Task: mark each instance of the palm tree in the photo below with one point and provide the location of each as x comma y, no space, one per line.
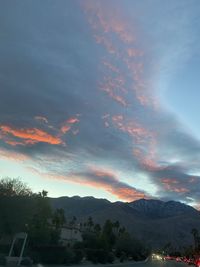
195,234
90,223
116,226
59,218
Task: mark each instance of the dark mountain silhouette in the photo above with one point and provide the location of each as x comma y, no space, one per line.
153,221
160,209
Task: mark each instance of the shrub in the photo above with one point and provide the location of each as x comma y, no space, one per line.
91,255
111,257
78,255
123,257
4,249
99,256
68,256
50,254
102,256
26,262
2,260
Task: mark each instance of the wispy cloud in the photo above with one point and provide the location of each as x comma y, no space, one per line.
82,91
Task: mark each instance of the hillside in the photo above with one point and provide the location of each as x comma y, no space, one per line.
155,222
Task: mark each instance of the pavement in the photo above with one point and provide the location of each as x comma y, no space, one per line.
149,263
154,263
170,263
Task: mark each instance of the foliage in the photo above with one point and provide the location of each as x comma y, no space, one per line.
196,238
2,260
97,255
26,262
58,218
21,210
101,242
78,255
13,187
39,228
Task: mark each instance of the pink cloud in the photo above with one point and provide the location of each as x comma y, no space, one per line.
27,136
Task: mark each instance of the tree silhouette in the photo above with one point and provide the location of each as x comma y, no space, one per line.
196,237
59,218
14,187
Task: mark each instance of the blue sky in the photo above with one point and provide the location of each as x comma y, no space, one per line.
101,97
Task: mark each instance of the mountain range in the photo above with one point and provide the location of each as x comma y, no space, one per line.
155,222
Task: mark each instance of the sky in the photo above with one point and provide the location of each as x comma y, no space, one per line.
101,98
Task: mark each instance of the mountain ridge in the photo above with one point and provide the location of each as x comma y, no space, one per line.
154,222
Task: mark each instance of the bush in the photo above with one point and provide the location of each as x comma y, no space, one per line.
69,256
78,255
4,249
51,255
26,262
2,260
35,256
99,256
102,256
91,255
123,257
111,257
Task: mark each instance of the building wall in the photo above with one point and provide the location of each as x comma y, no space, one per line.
70,235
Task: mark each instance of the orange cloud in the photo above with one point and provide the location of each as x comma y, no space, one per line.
117,34
132,128
65,128
67,125
173,185
114,87
128,194
104,179
72,120
28,136
146,150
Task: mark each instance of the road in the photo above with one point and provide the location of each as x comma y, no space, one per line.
149,263
153,263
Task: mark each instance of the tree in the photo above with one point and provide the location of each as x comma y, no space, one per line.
39,227
16,204
43,193
59,218
116,226
73,221
97,228
108,233
90,223
127,246
14,187
196,237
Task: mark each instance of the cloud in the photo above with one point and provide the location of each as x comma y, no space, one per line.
104,179
173,185
42,119
117,35
13,156
28,136
86,78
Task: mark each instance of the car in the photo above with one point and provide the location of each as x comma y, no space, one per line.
190,261
197,262
168,258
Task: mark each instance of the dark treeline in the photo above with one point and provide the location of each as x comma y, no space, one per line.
21,210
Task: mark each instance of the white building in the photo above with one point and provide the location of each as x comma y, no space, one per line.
70,234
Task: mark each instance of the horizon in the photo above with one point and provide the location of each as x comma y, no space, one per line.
76,196
99,99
